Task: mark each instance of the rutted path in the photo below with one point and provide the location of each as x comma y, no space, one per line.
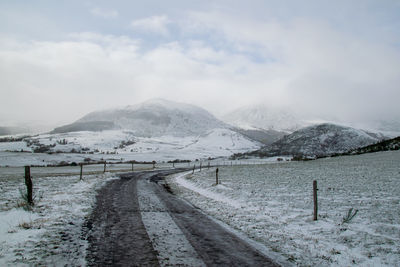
136,222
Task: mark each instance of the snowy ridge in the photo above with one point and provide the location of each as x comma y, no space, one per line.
320,140
158,117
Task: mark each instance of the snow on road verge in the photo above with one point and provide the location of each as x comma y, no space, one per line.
173,249
278,207
50,233
182,180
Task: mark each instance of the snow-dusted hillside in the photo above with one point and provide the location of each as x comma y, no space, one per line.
263,117
153,118
320,140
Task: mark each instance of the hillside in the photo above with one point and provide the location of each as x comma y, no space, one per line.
319,140
153,118
386,145
12,130
265,137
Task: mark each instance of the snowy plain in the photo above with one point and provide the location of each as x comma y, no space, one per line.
273,204
51,232
109,146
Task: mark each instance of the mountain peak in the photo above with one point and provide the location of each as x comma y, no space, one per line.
152,118
155,102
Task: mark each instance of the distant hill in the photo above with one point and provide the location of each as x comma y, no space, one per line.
265,137
318,141
93,126
386,145
12,130
156,117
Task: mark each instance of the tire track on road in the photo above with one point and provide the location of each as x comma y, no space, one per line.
136,222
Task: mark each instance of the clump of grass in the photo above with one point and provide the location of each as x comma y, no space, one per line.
24,203
26,225
350,215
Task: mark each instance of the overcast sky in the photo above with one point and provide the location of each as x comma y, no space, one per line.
62,59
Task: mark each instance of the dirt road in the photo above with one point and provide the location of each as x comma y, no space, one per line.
137,222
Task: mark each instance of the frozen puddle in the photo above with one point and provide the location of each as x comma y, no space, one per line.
168,240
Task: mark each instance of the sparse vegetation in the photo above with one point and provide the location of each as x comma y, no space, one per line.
350,215
62,142
26,225
24,202
126,143
178,161
13,139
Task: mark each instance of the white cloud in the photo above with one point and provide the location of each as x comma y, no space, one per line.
301,63
91,71
104,13
319,69
153,24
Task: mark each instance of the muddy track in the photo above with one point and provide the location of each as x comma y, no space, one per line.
137,222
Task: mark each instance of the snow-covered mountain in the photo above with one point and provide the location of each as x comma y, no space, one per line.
158,130
320,140
266,118
165,130
153,118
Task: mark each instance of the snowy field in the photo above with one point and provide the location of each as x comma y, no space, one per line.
273,204
121,145
51,233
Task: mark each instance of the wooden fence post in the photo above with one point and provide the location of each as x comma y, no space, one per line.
29,186
105,166
132,166
80,176
315,189
200,166
194,166
216,176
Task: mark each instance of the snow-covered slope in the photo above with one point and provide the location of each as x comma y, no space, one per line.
264,117
122,145
320,140
153,118
265,137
